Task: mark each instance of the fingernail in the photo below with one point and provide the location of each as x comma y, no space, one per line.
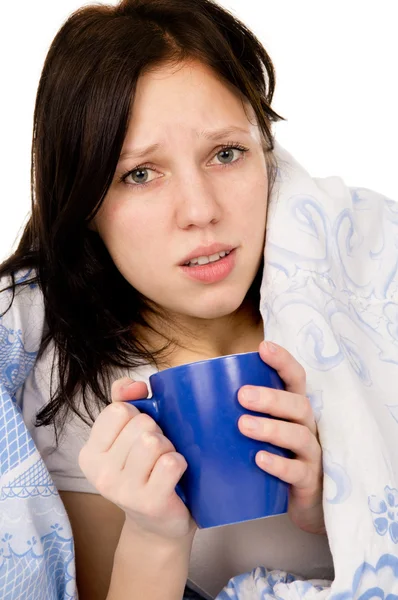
251,395
128,385
250,424
265,458
270,347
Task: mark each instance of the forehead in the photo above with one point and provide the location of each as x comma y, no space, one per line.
186,97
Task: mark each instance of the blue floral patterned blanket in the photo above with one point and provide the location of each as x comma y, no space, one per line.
330,296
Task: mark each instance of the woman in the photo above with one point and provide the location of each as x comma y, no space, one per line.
152,154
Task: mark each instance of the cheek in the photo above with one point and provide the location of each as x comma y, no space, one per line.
125,227
251,198
135,239
259,189
251,212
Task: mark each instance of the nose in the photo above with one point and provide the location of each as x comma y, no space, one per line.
197,204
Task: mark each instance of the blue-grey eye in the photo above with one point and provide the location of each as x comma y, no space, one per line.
228,155
140,179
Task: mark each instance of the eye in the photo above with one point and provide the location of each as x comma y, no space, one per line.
140,175
226,154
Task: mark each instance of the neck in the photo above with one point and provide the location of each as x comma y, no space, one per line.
200,339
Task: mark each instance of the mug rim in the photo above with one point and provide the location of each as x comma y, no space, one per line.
205,360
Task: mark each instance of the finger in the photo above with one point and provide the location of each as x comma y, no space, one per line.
109,424
287,367
290,470
291,436
143,455
166,473
130,440
278,403
127,389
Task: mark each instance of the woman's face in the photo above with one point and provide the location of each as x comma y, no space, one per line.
187,193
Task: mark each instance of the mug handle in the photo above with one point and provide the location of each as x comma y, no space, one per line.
150,407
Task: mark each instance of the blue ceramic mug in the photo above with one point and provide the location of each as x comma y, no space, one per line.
196,407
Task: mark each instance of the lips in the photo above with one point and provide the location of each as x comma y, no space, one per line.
212,272
206,251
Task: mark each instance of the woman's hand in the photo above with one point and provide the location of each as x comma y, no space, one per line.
304,472
131,463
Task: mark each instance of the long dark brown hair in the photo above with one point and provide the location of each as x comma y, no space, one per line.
81,116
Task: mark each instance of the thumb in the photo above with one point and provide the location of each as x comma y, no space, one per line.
128,389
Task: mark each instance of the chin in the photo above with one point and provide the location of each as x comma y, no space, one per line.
214,309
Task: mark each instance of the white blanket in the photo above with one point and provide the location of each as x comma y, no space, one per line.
330,296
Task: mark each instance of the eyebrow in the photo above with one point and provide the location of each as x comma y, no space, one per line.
207,134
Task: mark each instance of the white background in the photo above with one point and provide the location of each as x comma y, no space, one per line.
336,65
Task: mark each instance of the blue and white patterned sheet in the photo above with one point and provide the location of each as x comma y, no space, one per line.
330,296
36,544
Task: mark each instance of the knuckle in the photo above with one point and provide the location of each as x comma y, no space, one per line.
171,461
121,412
182,461
305,437
272,427
118,410
272,398
152,440
145,423
306,408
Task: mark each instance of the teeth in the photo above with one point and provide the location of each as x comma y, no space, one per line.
204,260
